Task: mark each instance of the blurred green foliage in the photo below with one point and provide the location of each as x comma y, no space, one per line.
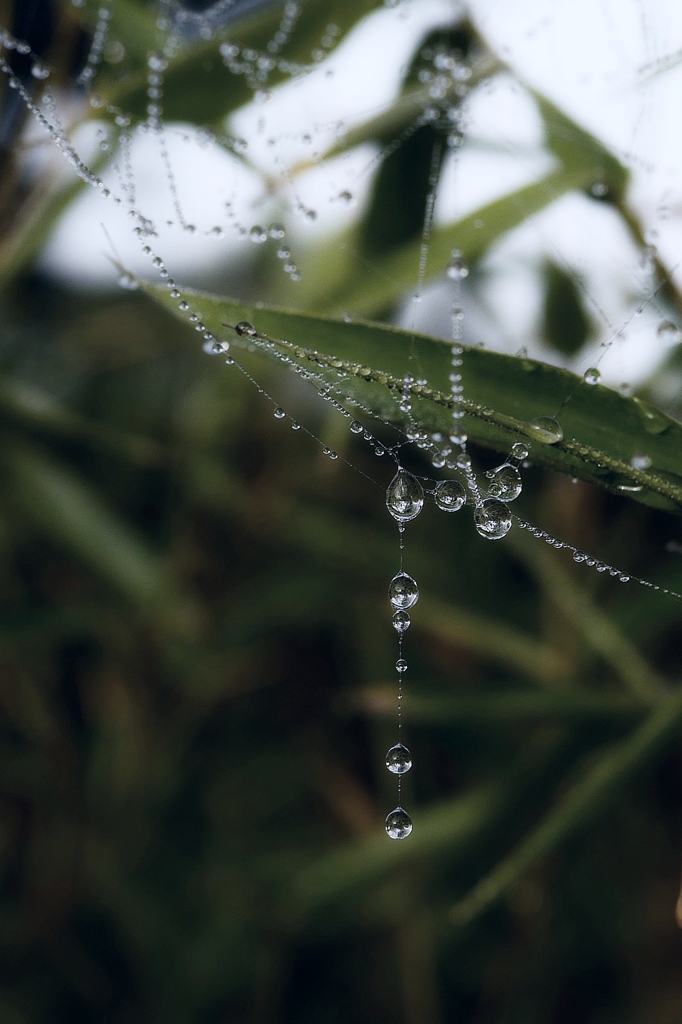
195,695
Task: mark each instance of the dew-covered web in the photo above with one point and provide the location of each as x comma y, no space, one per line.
292,171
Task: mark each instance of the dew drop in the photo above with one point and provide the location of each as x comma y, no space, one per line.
398,824
404,496
279,413
450,496
457,268
669,333
505,482
492,519
346,198
640,460
244,327
258,234
403,591
127,281
654,422
401,621
276,231
592,376
399,759
184,306
520,450
401,665
356,427
458,436
546,429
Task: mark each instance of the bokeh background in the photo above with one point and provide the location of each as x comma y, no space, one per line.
196,686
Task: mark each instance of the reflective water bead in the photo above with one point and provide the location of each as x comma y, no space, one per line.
276,231
401,621
258,234
505,482
640,460
464,461
492,519
450,496
459,437
184,306
399,759
457,269
520,450
592,376
546,429
403,591
244,327
438,460
669,333
398,824
356,427
279,413
404,496
295,425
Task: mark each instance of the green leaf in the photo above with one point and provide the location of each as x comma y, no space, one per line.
602,429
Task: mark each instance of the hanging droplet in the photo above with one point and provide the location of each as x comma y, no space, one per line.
245,328
546,429
401,665
356,427
258,234
404,496
128,282
654,421
399,759
505,482
276,231
450,496
279,413
457,269
520,450
669,333
403,591
398,824
401,621
458,436
492,519
640,460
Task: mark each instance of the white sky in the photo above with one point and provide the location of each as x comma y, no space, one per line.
588,57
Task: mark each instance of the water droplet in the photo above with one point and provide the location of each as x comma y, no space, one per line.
128,281
520,450
398,824
464,461
404,496
655,422
592,376
216,348
184,306
244,327
258,234
546,429
458,436
399,759
279,413
450,496
599,189
356,427
403,591
276,231
492,519
669,333
40,71
346,198
457,269
640,460
295,425
401,621
401,665
505,482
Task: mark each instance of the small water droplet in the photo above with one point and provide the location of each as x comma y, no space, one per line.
404,496
128,281
401,665
669,333
599,189
245,328
403,591
505,482
457,268
592,376
279,413
399,759
184,306
346,198
450,496
295,425
520,450
655,422
492,519
356,427
258,234
398,824
401,621
458,436
640,460
276,231
546,429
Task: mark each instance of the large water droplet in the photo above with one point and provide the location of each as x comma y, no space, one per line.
546,429
450,496
520,450
356,427
403,591
398,824
245,328
505,482
404,496
669,333
655,422
492,519
640,460
258,234
592,376
399,759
